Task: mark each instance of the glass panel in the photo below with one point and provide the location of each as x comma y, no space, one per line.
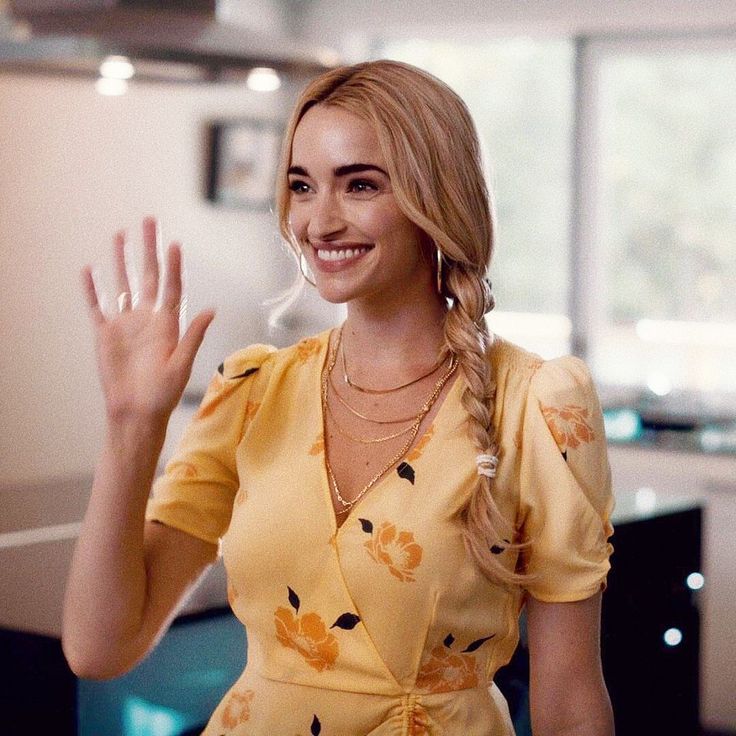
667,224
519,92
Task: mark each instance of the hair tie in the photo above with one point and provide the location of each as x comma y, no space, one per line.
486,465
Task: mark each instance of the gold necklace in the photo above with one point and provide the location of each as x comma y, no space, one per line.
364,390
370,441
347,505
362,416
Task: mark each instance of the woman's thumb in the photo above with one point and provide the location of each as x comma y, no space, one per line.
189,344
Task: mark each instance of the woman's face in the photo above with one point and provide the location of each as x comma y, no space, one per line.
343,212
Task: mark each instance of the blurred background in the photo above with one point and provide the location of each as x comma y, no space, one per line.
610,135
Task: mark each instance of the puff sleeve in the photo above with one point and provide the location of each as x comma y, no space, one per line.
565,485
196,491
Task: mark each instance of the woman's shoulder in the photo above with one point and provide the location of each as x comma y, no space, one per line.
253,357
518,371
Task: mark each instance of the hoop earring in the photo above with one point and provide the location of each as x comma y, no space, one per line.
303,269
439,270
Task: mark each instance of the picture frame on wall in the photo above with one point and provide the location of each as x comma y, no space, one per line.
243,157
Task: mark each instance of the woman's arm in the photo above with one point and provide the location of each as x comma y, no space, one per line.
126,576
568,695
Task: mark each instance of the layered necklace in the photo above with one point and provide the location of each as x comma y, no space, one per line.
411,430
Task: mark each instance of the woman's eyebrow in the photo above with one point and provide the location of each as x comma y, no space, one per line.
358,168
340,170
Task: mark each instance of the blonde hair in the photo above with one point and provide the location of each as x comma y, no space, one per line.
434,161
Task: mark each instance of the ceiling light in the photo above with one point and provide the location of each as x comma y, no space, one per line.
263,79
117,67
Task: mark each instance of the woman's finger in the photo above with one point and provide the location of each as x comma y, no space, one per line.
150,261
90,292
124,296
171,298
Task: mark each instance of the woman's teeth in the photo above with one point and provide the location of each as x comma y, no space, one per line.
340,255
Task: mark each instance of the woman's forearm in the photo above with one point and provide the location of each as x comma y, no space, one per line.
577,714
106,589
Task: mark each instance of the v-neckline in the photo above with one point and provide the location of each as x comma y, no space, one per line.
325,479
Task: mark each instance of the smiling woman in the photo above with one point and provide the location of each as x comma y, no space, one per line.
388,494
345,217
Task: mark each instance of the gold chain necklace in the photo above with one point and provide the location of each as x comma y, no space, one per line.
347,505
364,390
372,440
362,416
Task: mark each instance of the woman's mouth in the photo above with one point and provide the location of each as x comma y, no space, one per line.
335,258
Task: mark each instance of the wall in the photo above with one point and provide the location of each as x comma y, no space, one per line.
76,166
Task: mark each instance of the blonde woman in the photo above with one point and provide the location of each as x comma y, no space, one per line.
389,494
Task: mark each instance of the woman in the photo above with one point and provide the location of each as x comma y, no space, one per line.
388,494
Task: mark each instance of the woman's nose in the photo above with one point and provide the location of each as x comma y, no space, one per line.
325,218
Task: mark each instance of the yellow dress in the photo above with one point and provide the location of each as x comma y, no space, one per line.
384,626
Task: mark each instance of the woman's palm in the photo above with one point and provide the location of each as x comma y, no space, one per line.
143,365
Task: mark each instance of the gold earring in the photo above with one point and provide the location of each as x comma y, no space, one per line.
303,266
439,270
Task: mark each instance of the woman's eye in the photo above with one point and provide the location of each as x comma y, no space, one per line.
298,187
362,185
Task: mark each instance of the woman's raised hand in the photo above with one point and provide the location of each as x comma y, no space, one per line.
143,365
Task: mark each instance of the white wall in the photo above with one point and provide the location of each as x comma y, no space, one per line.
74,167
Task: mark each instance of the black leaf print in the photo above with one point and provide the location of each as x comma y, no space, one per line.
366,525
449,640
293,599
346,621
245,373
478,642
316,726
406,471
564,454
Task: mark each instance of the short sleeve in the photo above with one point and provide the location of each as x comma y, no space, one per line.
565,485
196,491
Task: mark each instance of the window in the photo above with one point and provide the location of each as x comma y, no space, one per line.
620,159
666,224
519,92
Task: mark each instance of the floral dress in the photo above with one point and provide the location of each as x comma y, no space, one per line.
384,625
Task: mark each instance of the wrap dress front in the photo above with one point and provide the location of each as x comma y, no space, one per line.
385,625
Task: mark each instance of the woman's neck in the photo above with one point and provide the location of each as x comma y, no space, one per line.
376,337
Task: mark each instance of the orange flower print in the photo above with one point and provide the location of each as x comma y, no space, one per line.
444,670
237,710
397,550
568,425
307,348
319,445
419,449
308,635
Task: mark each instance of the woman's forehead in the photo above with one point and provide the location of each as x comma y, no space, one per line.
336,136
